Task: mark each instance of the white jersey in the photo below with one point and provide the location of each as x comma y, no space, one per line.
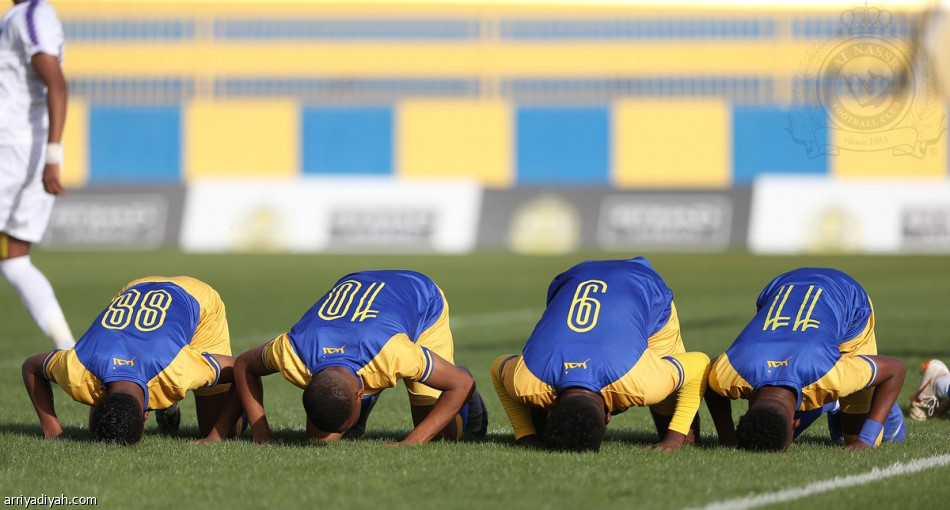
28,28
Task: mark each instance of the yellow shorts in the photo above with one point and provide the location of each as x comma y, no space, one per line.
666,342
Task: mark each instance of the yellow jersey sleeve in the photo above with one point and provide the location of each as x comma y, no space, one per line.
190,370
398,359
279,355
668,340
438,337
519,413
519,390
847,377
724,380
863,343
64,368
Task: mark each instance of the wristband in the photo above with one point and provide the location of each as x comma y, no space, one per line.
870,432
54,153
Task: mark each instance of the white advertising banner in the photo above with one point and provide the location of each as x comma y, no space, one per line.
326,214
823,215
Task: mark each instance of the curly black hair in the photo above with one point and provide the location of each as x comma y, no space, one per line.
118,418
764,428
327,402
576,424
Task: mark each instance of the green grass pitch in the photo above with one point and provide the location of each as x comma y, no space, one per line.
495,300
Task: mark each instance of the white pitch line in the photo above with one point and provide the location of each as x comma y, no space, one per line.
494,318
838,482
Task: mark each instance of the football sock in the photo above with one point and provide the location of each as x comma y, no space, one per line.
894,429
942,386
38,297
463,413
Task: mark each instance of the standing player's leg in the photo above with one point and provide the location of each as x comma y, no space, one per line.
34,290
25,209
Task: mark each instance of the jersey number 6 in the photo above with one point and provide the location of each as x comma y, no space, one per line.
582,317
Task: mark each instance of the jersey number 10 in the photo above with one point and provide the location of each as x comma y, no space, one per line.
338,302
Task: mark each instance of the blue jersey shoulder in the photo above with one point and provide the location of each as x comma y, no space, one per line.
352,322
140,333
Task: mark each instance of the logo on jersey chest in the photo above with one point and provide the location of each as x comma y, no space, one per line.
119,362
568,366
777,364
333,350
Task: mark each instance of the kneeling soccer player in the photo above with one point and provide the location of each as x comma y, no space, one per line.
370,330
608,340
159,338
810,343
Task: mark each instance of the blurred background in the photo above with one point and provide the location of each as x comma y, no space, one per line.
532,126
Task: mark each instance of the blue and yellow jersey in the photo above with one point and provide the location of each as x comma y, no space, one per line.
381,325
811,332
159,333
595,328
595,334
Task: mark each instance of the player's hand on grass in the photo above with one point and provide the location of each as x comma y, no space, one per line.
403,443
532,441
264,439
672,442
858,445
212,437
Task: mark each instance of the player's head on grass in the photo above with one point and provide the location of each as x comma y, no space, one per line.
332,399
577,422
768,424
119,417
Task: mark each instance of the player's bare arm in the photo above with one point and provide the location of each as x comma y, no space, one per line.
41,395
248,370
218,413
456,385
47,68
720,408
887,386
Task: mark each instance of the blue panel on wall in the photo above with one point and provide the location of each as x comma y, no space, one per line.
773,140
563,146
134,145
348,141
